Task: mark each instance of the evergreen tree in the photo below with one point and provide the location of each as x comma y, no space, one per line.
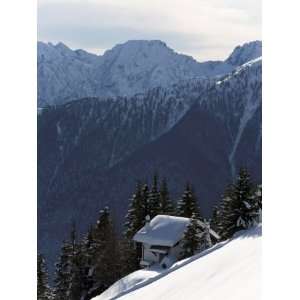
63,274
215,218
77,268
166,204
258,196
258,203
106,260
43,289
254,208
79,275
135,218
154,198
236,208
70,270
129,258
145,202
205,238
191,239
88,250
187,205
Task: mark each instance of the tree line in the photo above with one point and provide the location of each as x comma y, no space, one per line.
87,266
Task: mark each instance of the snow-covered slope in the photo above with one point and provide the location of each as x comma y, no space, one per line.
132,281
139,65
229,270
129,68
245,80
245,53
63,74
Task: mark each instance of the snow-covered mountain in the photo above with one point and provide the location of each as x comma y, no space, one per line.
245,53
229,270
63,74
247,80
137,66
133,67
91,151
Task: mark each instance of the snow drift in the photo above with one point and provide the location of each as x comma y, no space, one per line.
229,270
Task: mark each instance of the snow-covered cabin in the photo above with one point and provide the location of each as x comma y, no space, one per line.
162,239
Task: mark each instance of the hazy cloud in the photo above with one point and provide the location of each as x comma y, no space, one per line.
205,29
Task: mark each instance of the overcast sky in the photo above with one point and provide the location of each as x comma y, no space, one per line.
205,29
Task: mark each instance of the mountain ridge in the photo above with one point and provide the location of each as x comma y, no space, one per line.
127,69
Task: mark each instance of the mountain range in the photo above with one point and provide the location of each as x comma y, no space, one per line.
106,121
127,69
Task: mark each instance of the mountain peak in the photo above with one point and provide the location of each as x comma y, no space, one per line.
54,50
62,46
63,49
132,47
244,53
144,43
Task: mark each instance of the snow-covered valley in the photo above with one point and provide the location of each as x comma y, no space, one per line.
228,270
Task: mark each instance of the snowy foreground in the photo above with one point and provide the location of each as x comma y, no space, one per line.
230,270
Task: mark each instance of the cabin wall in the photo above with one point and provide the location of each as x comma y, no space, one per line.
176,251
150,256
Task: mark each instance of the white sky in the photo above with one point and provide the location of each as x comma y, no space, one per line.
205,29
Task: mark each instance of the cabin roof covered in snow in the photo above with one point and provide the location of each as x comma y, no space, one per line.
162,230
165,230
